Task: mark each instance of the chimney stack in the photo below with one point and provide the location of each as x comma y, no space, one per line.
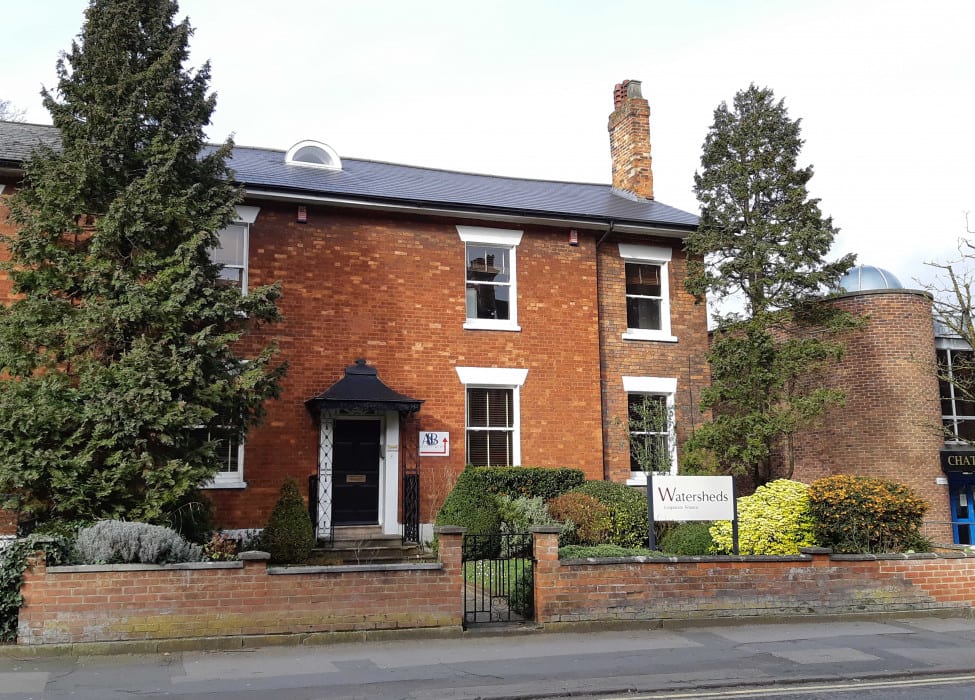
629,140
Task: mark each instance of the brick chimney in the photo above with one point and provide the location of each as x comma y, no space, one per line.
629,140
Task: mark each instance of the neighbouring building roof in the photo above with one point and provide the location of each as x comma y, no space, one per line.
263,169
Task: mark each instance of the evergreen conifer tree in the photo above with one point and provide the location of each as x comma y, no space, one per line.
764,242
121,371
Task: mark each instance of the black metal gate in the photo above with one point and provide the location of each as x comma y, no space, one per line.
499,579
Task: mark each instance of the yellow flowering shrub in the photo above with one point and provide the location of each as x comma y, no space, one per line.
774,520
858,514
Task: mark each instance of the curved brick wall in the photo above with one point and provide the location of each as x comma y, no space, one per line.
889,427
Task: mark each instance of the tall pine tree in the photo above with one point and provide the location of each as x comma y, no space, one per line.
119,358
763,242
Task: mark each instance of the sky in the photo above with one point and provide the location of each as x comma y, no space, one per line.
524,88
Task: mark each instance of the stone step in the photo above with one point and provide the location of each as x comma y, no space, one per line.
371,550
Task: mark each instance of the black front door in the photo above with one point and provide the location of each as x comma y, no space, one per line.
355,472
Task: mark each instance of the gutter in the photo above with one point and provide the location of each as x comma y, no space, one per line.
678,231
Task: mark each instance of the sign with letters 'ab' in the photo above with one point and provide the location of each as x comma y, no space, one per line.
434,444
693,498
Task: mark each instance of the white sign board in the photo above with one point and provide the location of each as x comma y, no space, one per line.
434,444
693,498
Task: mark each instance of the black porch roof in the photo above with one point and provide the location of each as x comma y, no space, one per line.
361,389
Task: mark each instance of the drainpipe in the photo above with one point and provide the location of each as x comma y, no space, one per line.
604,416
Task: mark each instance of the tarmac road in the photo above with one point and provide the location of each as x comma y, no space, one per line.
530,664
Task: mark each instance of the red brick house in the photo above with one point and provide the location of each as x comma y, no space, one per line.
434,319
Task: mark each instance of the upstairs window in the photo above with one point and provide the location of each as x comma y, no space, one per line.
647,288
489,282
490,278
956,378
232,249
313,154
231,253
644,296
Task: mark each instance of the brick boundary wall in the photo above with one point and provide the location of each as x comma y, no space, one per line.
816,583
72,604
83,604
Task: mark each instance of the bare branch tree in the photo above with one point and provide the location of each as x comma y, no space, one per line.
10,112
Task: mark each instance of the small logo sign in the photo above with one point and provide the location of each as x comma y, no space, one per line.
434,444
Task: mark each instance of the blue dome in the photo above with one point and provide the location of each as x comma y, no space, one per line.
863,278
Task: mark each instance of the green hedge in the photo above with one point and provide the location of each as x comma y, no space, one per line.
688,540
530,482
630,526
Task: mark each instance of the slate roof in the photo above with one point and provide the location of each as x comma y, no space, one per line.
389,183
17,140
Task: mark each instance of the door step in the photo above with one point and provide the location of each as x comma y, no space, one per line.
367,545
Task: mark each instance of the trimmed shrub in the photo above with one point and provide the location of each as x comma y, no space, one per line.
774,520
469,506
603,551
688,540
858,514
530,482
121,542
586,518
288,536
629,524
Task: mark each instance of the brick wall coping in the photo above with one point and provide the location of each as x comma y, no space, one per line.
718,559
683,560
347,568
99,568
875,292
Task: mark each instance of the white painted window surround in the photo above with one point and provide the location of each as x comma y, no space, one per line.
659,386
498,378
657,255
498,238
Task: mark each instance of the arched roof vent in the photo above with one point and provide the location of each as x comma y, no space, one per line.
313,154
864,278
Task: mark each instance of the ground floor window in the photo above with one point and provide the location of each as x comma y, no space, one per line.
490,427
229,452
650,425
492,415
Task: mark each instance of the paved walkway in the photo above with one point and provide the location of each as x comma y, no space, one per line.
525,665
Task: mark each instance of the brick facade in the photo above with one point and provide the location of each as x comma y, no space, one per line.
391,290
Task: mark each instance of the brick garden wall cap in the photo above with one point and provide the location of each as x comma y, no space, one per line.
546,529
888,556
449,530
815,550
254,555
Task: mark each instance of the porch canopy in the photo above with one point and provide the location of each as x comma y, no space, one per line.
362,390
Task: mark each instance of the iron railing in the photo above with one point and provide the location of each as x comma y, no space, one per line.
499,583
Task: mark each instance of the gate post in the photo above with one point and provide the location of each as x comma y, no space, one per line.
450,548
545,539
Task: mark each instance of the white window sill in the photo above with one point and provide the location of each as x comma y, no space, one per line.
640,334
486,324
225,485
640,478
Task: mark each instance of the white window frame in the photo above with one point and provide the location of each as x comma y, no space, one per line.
227,479
246,216
497,378
656,386
652,255
498,238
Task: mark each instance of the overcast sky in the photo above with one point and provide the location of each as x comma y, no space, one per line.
524,88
